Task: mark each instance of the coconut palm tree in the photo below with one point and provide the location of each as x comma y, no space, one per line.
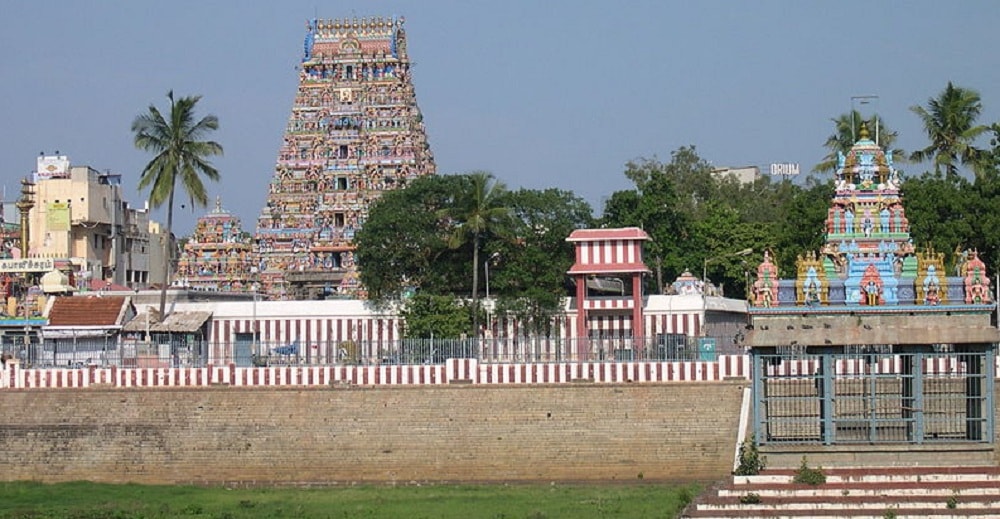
476,211
847,131
180,153
950,122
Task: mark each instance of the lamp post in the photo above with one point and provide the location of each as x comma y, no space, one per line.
486,267
704,269
864,100
253,344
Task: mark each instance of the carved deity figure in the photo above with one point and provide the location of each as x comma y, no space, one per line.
765,288
977,285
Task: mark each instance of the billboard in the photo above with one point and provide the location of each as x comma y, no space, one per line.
57,216
52,166
785,168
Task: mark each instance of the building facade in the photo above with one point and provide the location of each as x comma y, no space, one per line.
355,131
80,214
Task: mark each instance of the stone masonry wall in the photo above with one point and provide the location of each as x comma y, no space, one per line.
335,435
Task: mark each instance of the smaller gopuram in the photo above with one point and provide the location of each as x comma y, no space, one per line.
872,342
219,254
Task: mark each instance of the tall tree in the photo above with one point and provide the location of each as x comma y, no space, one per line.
847,131
473,214
950,122
528,272
401,246
179,153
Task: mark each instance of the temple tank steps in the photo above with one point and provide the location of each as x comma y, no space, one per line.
877,493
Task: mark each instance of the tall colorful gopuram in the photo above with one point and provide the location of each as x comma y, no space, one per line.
219,254
355,131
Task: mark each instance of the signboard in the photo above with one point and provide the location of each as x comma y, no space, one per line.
52,166
785,168
706,349
57,216
27,265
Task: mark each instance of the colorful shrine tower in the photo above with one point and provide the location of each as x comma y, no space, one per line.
871,343
219,255
869,259
355,131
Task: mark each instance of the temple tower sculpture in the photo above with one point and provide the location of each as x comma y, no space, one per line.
355,131
219,255
872,343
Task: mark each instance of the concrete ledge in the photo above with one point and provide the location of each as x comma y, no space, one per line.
886,455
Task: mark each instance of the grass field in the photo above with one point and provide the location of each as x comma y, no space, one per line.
98,501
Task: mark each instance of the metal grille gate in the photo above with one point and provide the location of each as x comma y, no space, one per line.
873,396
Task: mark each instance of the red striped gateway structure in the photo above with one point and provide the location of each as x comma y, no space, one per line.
608,273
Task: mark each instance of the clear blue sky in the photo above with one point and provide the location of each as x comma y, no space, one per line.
543,94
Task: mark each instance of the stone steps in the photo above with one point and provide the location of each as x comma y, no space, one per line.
858,493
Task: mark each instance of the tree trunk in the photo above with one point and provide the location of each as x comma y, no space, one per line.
475,287
166,256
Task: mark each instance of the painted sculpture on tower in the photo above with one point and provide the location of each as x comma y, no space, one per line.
869,258
219,254
355,131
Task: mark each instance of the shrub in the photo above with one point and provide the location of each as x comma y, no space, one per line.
952,502
809,476
750,498
750,460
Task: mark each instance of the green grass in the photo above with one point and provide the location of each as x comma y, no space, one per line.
23,500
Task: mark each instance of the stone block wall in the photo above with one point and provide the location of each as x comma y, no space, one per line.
337,435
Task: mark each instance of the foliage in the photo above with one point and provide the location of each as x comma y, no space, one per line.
97,501
404,247
471,215
180,153
528,272
941,211
806,475
427,316
950,122
952,502
847,131
751,462
750,498
403,244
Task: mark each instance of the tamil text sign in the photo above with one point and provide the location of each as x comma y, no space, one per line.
27,265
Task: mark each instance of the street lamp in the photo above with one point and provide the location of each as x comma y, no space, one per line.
486,266
704,270
253,347
864,100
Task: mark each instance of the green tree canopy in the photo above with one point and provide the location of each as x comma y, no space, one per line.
528,272
847,131
950,122
471,215
403,244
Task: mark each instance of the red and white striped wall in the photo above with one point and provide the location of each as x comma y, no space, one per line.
467,371
612,324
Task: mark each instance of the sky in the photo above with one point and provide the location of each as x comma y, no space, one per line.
555,94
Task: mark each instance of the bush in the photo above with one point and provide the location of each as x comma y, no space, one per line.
750,498
751,462
809,476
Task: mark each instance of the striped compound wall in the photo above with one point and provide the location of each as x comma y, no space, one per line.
454,371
